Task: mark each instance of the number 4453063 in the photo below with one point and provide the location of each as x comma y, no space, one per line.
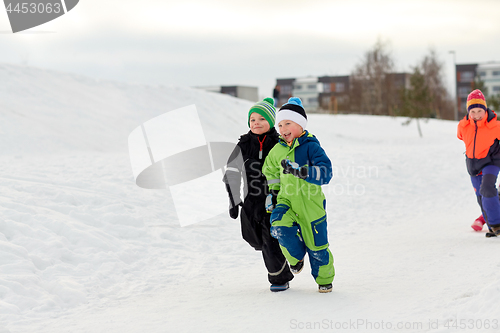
33,8
472,324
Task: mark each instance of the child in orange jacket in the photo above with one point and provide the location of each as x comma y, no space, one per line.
480,131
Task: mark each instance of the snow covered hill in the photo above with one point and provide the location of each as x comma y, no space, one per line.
83,249
49,112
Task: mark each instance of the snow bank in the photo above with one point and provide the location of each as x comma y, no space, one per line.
73,224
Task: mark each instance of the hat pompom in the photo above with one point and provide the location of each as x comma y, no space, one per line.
269,100
295,100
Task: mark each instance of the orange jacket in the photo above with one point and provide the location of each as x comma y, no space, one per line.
481,141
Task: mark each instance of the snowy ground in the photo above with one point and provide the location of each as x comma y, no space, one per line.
83,249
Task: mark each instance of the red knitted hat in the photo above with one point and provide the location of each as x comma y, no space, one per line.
476,100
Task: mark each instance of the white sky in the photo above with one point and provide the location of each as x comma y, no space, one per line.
223,42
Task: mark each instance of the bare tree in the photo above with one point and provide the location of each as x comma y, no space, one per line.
432,70
371,82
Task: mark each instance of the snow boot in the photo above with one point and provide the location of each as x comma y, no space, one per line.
478,223
325,288
297,268
280,287
494,231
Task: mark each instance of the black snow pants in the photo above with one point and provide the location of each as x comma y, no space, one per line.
255,227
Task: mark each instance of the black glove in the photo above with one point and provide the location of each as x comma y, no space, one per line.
233,211
233,207
294,169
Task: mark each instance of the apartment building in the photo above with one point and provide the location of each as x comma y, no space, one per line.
335,93
466,73
326,93
329,93
308,90
286,90
489,73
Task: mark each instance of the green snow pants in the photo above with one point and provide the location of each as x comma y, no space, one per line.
298,236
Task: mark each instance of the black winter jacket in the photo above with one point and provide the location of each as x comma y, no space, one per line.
246,161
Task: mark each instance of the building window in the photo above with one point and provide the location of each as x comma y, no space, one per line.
482,74
340,87
312,100
298,87
463,91
496,89
326,87
496,73
466,76
311,87
286,89
326,100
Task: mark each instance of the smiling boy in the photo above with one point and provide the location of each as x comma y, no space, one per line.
295,170
480,131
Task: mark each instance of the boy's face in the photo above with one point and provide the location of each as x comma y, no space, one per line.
258,124
477,113
289,130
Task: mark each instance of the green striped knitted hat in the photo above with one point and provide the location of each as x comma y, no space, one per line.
266,109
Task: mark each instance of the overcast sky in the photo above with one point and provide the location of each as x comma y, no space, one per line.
231,42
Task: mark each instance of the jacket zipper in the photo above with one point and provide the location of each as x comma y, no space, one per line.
261,143
474,147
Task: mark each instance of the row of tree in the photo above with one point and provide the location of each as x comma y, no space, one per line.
376,89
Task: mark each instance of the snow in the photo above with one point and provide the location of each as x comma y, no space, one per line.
83,249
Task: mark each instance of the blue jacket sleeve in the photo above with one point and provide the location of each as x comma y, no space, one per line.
320,169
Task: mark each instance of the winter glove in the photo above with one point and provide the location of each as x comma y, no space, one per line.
233,207
271,201
233,211
293,168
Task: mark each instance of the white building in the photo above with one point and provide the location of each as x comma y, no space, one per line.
308,89
490,75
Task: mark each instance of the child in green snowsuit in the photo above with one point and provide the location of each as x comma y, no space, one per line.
295,170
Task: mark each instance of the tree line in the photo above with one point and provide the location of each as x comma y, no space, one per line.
376,88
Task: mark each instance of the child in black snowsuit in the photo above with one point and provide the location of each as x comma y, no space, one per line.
246,161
